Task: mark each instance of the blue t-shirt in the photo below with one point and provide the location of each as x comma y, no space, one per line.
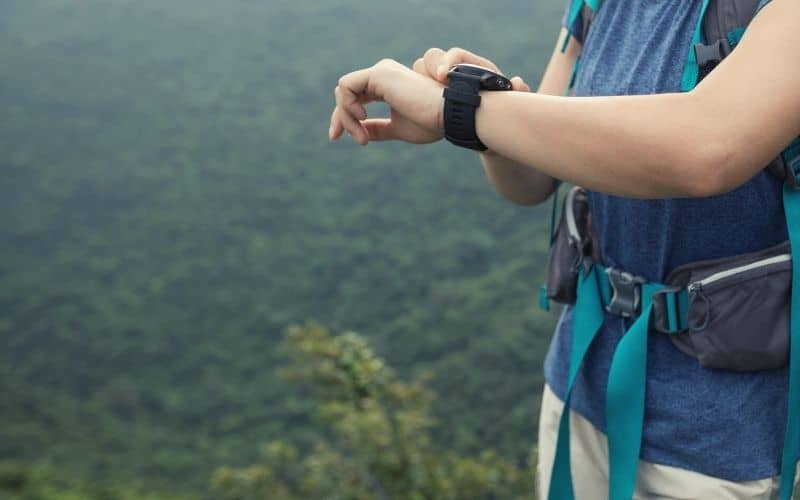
724,424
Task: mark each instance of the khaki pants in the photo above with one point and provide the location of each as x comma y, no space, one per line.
589,455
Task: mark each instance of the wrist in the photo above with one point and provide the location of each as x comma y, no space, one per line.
463,99
485,127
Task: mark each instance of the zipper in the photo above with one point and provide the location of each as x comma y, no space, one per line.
698,285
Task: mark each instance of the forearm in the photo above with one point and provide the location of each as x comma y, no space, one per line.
700,143
636,146
515,181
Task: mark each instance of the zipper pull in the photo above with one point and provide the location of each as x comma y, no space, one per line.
696,291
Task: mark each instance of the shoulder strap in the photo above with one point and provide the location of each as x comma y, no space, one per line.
723,25
579,19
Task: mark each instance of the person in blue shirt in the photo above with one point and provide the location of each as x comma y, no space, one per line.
672,177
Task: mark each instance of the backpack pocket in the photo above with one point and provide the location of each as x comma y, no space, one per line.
738,310
571,246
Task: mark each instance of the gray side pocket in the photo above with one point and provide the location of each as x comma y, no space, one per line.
571,245
738,310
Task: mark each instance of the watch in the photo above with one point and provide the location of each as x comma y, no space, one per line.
462,98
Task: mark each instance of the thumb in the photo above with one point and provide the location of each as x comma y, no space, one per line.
518,84
379,129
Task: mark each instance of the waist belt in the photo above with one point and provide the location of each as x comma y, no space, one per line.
600,290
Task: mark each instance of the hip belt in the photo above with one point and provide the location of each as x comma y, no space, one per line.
731,313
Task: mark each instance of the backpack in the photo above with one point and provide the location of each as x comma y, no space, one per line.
721,26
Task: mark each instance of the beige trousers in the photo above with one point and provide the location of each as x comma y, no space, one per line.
589,455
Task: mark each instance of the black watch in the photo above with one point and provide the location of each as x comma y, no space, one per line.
462,97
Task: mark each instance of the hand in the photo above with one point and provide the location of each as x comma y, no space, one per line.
415,102
436,63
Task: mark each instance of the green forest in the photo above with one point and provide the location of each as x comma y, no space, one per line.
201,297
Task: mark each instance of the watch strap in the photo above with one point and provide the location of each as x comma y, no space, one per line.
460,102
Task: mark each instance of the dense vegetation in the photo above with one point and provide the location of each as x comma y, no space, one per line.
380,446
171,204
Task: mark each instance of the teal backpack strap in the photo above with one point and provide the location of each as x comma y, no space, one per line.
585,10
576,9
625,391
587,318
721,27
625,401
691,70
572,18
791,207
544,300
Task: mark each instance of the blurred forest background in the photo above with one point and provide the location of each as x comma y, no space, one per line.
171,206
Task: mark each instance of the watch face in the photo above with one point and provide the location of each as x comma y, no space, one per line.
489,80
472,69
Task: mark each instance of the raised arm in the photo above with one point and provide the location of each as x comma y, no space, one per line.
701,143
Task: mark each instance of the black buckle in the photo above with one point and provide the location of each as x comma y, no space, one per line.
626,296
712,53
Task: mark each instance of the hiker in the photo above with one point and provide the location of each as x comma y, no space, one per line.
676,257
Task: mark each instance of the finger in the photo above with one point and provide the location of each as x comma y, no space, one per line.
348,122
419,67
358,111
336,128
353,85
433,59
379,129
457,55
518,84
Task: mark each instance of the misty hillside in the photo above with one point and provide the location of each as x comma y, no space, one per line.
171,204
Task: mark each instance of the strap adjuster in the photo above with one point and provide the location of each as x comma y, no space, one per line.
671,309
626,293
712,53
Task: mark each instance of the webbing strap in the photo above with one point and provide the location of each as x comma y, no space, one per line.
735,35
625,391
575,68
791,442
625,398
574,12
691,71
544,301
587,318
